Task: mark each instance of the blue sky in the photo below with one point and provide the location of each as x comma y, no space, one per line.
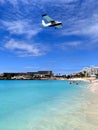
25,45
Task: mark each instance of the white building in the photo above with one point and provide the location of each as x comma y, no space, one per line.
92,71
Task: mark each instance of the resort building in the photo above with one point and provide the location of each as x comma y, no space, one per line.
92,71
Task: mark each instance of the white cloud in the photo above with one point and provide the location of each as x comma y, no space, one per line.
79,20
31,1
24,49
13,2
86,27
2,1
21,27
74,44
64,1
69,45
1,48
31,67
85,16
79,45
92,32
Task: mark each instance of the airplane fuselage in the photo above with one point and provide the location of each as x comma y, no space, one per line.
51,23
55,24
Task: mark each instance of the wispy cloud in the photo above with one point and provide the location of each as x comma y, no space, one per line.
30,1
82,21
31,67
1,48
83,27
70,45
79,18
21,27
78,45
13,2
2,1
24,49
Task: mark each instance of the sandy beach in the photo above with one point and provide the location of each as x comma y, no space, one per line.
94,86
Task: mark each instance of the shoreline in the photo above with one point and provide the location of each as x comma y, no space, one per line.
93,83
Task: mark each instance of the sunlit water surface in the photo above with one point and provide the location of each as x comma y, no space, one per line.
47,105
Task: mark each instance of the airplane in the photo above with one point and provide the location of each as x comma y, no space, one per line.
51,22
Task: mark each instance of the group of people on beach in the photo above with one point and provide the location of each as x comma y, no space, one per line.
76,82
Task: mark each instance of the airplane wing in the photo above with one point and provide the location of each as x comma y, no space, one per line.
45,16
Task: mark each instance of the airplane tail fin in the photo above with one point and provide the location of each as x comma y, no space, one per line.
44,24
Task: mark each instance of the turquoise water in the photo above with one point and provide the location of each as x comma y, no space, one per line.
44,105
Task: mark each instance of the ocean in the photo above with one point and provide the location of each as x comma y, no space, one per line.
47,105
